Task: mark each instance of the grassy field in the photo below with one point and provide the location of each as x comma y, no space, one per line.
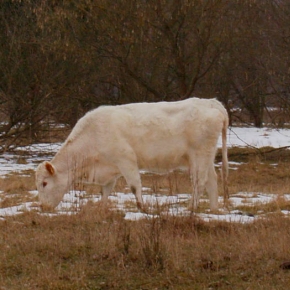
98,249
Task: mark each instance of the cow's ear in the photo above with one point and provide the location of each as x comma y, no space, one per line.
49,167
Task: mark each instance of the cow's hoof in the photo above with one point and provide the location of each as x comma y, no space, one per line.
191,207
285,265
142,208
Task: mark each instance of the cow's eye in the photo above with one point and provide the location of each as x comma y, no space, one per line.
44,184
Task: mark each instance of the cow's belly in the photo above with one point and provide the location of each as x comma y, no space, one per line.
102,174
162,159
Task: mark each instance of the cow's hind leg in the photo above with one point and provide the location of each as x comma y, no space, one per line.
198,175
211,188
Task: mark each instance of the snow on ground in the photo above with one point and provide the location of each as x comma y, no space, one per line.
257,137
27,158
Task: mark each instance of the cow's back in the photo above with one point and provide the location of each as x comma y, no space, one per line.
160,134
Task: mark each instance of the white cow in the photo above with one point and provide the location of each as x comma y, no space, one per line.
111,141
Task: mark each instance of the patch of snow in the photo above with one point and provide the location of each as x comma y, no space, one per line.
251,198
257,137
14,210
135,216
232,218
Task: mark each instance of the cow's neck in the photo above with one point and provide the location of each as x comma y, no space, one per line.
71,161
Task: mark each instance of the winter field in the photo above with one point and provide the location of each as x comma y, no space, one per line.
160,200
83,245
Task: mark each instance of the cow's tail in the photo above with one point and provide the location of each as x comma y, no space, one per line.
225,160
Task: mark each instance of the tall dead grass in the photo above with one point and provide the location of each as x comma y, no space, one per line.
16,189
98,249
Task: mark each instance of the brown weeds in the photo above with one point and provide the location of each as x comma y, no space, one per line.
97,249
15,190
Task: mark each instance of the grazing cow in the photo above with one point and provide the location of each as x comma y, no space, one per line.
111,141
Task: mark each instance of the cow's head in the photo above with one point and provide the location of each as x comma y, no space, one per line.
50,184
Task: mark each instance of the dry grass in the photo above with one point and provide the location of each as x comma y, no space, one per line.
98,249
16,189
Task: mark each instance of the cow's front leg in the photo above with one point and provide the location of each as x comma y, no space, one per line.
131,173
212,189
198,179
136,190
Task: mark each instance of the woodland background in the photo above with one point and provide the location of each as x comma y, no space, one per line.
59,59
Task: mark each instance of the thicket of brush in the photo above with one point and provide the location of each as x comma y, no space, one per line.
98,249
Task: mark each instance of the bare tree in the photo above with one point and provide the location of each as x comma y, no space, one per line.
60,59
